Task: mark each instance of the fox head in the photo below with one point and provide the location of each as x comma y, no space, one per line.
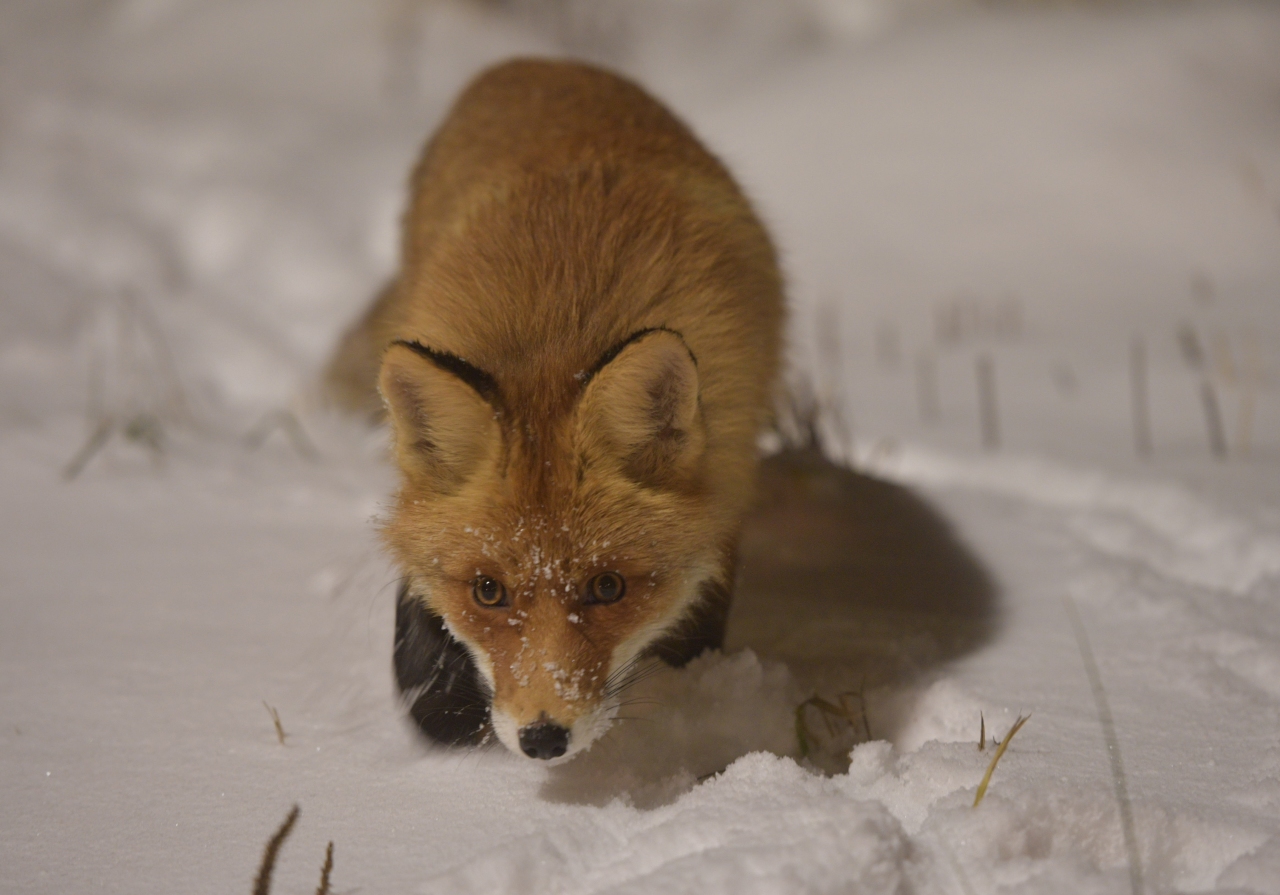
559,540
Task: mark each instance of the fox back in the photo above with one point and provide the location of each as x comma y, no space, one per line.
576,357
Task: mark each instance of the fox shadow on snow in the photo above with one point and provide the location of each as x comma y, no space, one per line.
854,584
846,573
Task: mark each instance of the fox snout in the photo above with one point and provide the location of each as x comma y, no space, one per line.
550,695
549,736
544,739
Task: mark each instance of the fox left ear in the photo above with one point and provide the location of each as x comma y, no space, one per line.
641,409
444,429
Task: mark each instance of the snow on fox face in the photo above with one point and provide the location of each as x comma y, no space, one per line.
555,549
553,615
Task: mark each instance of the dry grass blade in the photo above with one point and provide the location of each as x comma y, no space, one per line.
982,732
862,707
325,871
802,726
802,729
1194,355
1251,377
97,441
275,719
829,710
1139,397
262,882
1213,420
995,759
1108,724
988,405
1189,345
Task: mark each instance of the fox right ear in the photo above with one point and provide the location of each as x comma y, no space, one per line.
443,427
642,409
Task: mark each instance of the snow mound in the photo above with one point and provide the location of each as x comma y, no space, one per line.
763,825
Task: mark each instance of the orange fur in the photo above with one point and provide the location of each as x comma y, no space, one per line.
617,308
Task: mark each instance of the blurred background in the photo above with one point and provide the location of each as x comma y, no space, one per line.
1046,227
1043,227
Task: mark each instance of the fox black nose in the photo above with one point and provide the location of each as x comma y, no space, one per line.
544,739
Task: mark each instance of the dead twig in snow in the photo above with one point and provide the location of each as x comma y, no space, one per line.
262,882
275,719
325,871
97,441
862,704
828,710
1140,401
927,388
1193,354
1213,419
142,428
1251,375
988,407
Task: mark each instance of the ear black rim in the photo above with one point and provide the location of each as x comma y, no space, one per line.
609,356
489,592
481,381
605,588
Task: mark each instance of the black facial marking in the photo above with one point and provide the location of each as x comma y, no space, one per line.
437,677
701,630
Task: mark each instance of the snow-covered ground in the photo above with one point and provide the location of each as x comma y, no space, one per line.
196,196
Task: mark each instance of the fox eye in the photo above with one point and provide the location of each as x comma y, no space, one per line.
606,588
489,592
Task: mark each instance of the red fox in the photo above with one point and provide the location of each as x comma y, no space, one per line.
577,356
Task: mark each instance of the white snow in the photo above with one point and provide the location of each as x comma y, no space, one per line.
195,197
